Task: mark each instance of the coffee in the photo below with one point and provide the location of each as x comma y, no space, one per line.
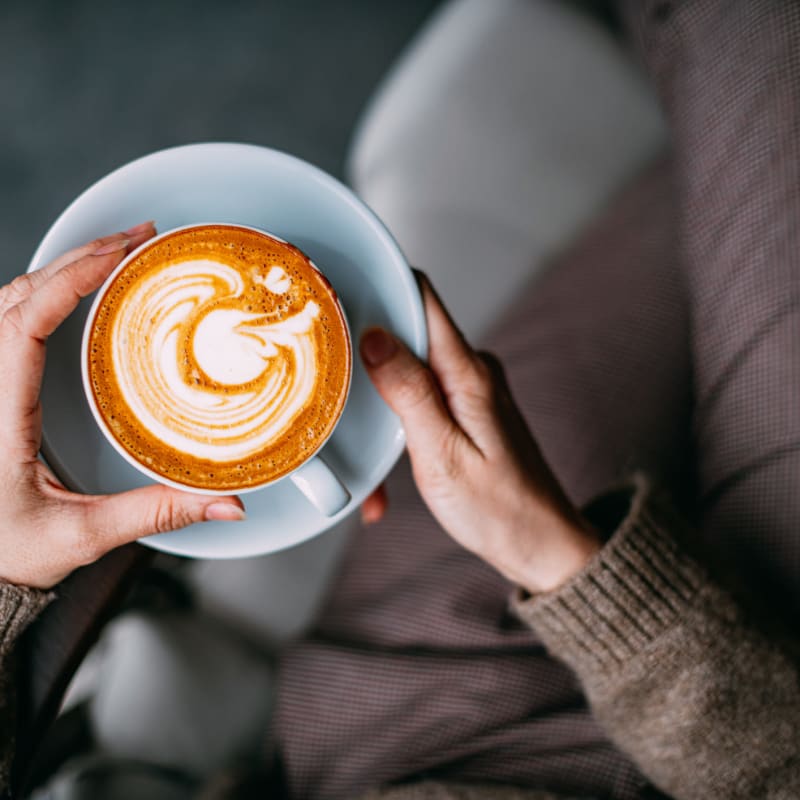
219,358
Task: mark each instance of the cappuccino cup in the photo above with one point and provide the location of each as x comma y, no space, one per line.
217,359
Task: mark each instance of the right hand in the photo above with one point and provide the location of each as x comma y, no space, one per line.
46,531
475,462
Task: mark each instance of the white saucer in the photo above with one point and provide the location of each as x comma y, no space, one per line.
277,192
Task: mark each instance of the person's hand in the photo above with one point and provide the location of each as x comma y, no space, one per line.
474,459
46,531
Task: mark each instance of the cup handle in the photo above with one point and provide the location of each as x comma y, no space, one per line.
318,482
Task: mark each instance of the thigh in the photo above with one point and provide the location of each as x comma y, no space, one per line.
415,666
597,355
729,77
597,351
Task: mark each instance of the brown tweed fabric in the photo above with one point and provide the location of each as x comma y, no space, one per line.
690,282
417,668
729,77
429,790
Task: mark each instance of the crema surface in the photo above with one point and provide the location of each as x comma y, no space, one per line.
219,358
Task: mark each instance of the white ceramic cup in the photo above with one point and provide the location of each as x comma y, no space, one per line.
313,477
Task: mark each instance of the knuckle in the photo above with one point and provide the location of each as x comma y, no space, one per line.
74,279
70,281
15,292
20,287
477,381
12,323
68,274
416,388
448,467
170,516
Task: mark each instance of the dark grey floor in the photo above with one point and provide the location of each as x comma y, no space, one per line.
86,85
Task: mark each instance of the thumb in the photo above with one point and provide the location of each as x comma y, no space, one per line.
409,388
114,520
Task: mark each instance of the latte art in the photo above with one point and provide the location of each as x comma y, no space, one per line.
220,364
218,383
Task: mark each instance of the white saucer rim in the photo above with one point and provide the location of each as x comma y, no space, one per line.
420,345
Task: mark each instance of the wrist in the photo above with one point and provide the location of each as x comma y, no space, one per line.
546,561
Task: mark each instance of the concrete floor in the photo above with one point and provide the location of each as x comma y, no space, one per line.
86,85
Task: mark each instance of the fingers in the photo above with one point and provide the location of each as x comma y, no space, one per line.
137,235
468,379
409,389
113,520
57,298
25,327
375,506
30,282
450,357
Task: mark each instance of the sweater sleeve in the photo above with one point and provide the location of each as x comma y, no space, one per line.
704,703
18,607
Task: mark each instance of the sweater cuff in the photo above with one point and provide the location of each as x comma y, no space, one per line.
631,591
19,606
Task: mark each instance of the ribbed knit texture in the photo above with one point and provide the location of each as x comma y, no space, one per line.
635,588
707,706
18,607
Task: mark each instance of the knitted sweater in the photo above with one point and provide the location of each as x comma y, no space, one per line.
18,607
706,705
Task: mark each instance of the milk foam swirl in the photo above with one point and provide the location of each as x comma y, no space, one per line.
212,379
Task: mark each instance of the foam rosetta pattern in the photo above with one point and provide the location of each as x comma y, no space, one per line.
219,357
212,379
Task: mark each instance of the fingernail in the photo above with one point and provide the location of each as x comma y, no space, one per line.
140,228
377,347
112,247
225,512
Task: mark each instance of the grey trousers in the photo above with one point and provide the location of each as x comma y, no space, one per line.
667,340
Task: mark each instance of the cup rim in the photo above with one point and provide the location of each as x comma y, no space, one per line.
89,393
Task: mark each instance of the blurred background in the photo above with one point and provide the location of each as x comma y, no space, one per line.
87,85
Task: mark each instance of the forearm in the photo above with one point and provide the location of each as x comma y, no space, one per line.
704,704
18,607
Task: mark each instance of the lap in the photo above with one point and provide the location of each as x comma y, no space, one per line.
666,341
597,356
729,78
415,641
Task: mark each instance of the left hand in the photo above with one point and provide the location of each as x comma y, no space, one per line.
47,531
